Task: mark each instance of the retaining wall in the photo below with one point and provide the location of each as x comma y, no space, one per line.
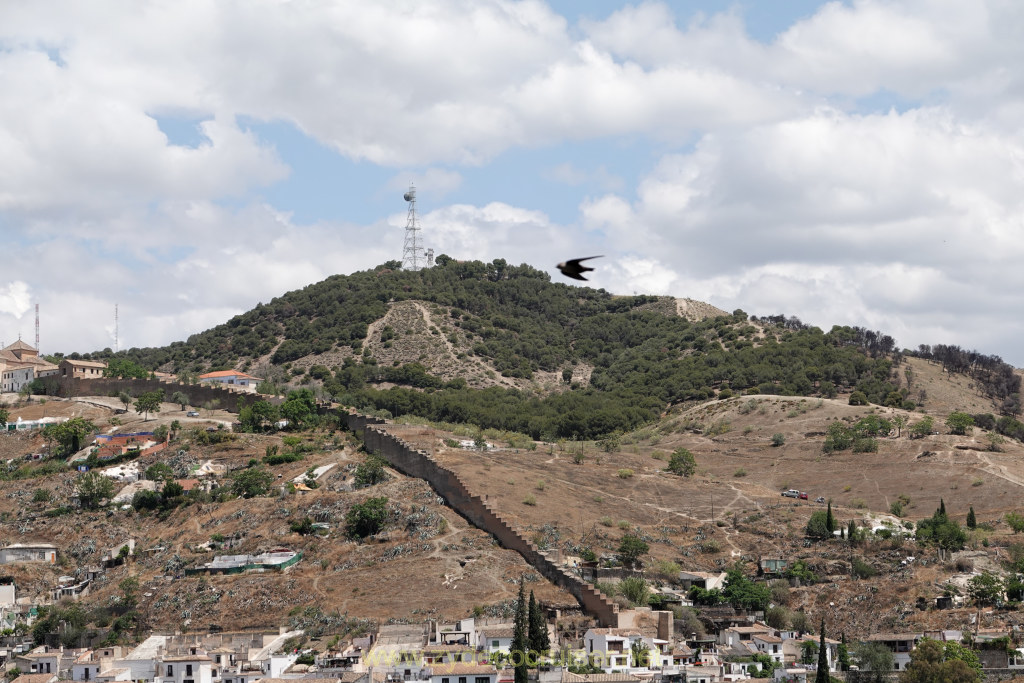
420,464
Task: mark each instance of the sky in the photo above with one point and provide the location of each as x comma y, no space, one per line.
852,163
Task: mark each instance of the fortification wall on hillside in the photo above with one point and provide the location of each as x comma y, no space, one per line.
199,394
420,464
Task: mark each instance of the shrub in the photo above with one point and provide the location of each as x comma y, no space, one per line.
778,439
838,437
740,473
41,496
634,589
366,519
861,569
1015,521
630,549
625,473
529,500
710,547
858,398
282,458
682,463
606,521
370,472
865,445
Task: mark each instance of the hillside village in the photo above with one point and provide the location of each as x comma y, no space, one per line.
155,531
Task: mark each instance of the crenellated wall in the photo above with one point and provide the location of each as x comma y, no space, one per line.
420,464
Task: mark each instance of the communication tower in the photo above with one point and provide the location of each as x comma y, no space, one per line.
412,253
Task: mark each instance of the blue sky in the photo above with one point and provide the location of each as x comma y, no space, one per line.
847,162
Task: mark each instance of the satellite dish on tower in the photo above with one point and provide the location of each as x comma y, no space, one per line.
409,196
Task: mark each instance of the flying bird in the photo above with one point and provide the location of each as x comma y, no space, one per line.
574,268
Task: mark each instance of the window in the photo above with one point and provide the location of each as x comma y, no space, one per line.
494,643
483,679
462,679
444,680
188,669
170,669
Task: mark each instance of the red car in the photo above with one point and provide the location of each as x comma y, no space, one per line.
803,496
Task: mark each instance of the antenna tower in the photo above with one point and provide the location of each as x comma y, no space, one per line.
412,253
37,328
116,337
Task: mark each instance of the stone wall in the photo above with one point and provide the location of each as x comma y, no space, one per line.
420,464
199,394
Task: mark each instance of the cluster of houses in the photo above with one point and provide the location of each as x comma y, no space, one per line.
212,658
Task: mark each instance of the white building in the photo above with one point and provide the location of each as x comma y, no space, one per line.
91,665
900,644
28,552
233,379
495,639
612,649
190,668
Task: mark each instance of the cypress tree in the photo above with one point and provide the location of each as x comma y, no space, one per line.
822,674
830,521
538,627
520,642
942,507
972,521
844,654
851,531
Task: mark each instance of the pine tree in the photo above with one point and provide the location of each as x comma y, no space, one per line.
822,674
538,627
972,521
520,642
830,521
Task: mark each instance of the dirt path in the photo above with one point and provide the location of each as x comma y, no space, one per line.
997,470
427,318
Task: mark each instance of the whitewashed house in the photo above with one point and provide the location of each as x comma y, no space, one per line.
28,552
195,667
496,639
611,649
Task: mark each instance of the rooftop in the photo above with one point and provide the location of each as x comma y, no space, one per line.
226,373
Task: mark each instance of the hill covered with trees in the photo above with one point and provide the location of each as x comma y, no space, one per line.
520,323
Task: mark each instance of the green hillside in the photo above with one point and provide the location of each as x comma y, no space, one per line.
521,323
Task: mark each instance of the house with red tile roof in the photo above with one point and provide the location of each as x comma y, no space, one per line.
233,379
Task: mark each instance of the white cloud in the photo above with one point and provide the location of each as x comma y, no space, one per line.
895,220
15,298
771,188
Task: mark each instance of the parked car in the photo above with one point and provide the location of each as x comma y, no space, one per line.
819,499
192,413
791,493
803,495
